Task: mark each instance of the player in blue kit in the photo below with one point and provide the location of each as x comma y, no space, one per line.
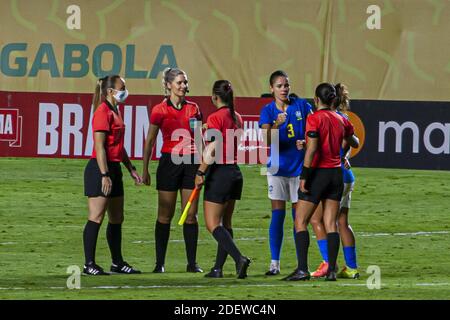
350,270
287,115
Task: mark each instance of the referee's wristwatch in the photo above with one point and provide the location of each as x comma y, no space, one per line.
106,174
200,173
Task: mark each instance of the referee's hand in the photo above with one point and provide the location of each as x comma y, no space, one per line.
146,178
136,177
281,118
302,186
199,181
106,186
301,144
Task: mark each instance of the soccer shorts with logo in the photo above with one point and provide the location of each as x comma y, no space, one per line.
283,188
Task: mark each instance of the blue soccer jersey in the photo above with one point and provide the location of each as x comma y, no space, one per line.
347,173
289,160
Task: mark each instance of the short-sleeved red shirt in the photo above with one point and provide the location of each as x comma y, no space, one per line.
222,121
169,119
105,119
332,129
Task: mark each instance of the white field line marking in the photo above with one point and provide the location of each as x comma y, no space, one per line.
228,286
360,234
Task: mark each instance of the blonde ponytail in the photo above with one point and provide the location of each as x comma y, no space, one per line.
97,95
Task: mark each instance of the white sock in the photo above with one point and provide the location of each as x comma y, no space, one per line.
275,264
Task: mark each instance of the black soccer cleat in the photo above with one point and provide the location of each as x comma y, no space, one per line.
331,276
298,275
214,273
123,268
273,272
92,269
194,268
159,269
242,267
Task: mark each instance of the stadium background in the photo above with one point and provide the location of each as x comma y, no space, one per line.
400,73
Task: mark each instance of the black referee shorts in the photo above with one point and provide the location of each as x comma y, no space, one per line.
223,182
325,183
173,177
93,179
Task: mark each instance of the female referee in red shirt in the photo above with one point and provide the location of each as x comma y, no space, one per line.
321,179
103,176
174,112
224,181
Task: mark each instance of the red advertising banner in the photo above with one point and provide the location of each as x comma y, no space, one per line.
58,125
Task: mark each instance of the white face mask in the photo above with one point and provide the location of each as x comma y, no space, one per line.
121,96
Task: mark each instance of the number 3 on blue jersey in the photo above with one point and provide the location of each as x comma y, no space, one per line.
290,129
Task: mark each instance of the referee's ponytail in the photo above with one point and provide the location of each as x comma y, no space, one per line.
103,84
224,90
326,92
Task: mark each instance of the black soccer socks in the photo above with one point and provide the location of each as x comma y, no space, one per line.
190,234
90,235
224,239
333,249
221,255
302,245
162,233
114,237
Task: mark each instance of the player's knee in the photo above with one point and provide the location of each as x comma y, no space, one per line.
316,222
117,220
96,217
192,219
210,227
331,226
164,219
343,223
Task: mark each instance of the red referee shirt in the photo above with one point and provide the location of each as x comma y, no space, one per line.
222,121
168,119
105,119
332,128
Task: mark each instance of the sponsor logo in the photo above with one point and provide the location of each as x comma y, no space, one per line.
11,127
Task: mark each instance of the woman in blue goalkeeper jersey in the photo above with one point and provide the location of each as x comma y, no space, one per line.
287,115
350,271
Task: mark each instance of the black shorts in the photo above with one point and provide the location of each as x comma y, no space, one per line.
324,183
93,179
173,177
223,182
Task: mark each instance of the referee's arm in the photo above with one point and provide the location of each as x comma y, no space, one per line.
311,148
148,149
99,145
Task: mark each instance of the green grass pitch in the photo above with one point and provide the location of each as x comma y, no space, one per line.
401,219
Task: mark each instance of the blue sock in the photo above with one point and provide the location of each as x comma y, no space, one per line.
323,248
350,257
276,233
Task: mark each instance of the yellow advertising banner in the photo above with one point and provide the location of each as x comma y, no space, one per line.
382,49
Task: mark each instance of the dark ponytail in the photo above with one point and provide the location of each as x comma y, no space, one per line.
224,90
103,84
342,102
326,93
